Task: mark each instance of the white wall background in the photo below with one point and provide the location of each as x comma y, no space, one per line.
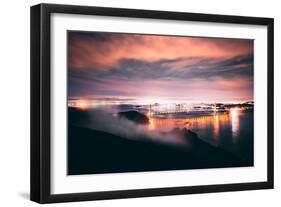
14,102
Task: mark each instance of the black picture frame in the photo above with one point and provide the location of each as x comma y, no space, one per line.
41,95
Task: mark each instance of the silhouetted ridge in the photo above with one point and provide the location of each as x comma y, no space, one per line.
92,151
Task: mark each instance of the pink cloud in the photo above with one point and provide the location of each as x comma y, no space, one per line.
85,53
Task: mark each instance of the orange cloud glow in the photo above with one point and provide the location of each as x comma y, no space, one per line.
87,53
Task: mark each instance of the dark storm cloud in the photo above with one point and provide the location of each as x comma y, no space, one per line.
203,68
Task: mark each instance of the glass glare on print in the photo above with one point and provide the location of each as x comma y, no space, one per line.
139,102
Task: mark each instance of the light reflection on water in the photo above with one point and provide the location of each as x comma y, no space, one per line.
167,124
234,122
232,131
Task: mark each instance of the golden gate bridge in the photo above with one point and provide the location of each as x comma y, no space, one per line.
166,109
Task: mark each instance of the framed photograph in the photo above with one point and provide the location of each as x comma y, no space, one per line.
132,103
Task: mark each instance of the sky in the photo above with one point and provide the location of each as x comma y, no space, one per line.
138,66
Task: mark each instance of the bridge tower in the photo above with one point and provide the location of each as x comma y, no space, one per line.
215,108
